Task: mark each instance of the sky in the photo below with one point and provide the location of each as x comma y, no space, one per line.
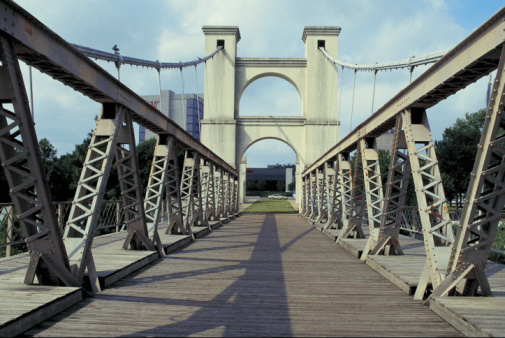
171,31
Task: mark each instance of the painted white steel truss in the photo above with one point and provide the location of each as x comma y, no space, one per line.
483,205
433,212
322,197
190,191
396,192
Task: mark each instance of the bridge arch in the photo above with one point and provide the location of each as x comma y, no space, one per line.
295,81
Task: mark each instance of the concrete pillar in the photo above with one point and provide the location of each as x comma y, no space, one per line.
218,126
321,80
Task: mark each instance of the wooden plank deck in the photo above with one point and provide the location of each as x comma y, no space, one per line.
260,275
42,302
473,316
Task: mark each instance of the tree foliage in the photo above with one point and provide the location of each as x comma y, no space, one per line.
456,153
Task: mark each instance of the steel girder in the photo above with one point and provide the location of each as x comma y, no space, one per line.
484,203
373,192
333,194
84,213
25,174
208,195
173,192
312,195
131,191
303,199
433,212
358,196
396,192
190,191
225,183
164,151
322,199
218,184
345,187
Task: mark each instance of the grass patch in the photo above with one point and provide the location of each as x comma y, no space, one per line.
274,206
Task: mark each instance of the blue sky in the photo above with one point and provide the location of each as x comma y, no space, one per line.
170,31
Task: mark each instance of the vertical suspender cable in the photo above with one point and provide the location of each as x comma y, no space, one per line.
182,103
341,87
206,84
352,103
159,85
331,100
198,107
373,91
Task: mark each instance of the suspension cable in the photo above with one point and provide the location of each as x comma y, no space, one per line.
198,107
126,60
406,63
352,104
207,99
373,90
182,103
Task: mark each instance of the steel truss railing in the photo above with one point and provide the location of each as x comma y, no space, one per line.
58,258
454,265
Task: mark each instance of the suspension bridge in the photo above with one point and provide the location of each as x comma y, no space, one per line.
253,274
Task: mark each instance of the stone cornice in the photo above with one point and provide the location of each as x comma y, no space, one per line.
272,62
320,31
222,30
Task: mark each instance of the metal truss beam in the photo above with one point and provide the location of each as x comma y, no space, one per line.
396,192
208,194
322,197
131,192
84,213
358,197
173,191
433,212
24,171
483,205
190,191
374,194
334,193
158,179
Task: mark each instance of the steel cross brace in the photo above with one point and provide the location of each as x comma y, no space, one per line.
358,196
225,183
303,200
158,179
306,196
25,174
433,212
173,191
336,205
330,191
131,192
208,195
374,193
85,210
235,195
190,191
313,195
396,192
322,200
218,184
483,205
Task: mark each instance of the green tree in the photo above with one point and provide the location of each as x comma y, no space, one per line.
456,153
292,186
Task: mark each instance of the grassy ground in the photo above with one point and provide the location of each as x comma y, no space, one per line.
264,205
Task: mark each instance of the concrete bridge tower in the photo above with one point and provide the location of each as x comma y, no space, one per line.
229,135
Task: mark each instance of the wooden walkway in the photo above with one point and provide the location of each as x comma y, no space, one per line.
260,275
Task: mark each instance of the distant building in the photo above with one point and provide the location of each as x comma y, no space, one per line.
187,114
385,141
273,175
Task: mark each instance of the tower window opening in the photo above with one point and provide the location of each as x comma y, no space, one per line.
321,44
220,43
